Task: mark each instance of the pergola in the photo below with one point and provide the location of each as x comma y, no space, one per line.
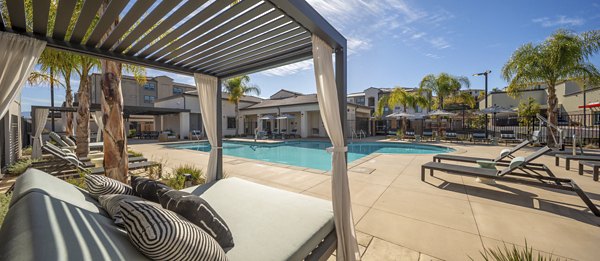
219,39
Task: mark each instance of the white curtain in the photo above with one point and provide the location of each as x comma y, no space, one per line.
40,116
97,116
18,57
347,248
207,94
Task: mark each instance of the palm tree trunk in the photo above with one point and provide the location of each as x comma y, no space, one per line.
403,130
552,112
115,141
69,104
237,112
83,119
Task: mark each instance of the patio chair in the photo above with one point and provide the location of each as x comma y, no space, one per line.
569,157
595,167
427,135
515,172
479,136
507,136
96,146
294,133
451,136
409,135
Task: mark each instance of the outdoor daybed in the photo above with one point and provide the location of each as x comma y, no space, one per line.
50,219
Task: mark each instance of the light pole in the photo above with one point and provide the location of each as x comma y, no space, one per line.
486,73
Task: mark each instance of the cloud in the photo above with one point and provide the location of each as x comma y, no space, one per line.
433,56
355,45
558,21
439,43
289,69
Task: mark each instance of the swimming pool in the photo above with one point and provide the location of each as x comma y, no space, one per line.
311,154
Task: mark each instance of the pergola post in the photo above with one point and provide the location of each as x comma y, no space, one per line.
341,70
219,130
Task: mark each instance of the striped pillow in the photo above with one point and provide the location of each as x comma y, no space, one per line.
147,188
161,235
196,210
102,185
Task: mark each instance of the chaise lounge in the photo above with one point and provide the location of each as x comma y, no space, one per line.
595,165
514,173
49,219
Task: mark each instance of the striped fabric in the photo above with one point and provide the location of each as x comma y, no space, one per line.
101,185
161,235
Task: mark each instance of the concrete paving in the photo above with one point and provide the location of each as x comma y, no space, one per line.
448,217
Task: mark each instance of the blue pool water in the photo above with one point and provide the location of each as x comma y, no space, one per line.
311,154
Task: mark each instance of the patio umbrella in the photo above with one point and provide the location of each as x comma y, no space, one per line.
286,117
440,113
267,117
495,110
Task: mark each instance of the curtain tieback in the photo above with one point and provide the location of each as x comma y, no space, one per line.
337,149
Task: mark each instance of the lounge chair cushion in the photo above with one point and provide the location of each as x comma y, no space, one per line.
102,185
41,227
268,223
198,211
486,164
37,181
504,152
516,162
69,141
507,135
161,235
147,188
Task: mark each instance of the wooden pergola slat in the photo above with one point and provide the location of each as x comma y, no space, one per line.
88,12
113,9
16,11
41,10
187,26
159,12
224,32
247,52
167,24
234,45
297,42
63,18
137,10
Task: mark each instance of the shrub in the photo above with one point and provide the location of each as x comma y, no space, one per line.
135,153
19,167
178,179
78,181
4,201
514,254
26,151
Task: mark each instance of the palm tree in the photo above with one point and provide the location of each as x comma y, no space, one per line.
443,85
83,66
398,96
562,57
237,88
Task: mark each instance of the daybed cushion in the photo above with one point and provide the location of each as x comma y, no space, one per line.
39,227
268,223
37,181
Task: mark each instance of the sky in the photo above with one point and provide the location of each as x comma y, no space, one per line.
397,42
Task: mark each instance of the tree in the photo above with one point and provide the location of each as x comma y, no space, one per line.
561,57
527,110
398,96
84,65
444,85
237,88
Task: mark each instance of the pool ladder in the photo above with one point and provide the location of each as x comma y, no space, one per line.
361,134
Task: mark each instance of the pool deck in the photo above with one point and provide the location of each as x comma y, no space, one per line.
449,217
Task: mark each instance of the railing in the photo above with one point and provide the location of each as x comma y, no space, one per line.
559,142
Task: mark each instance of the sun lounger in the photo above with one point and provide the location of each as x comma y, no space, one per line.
409,135
427,135
514,173
569,157
508,136
595,168
450,136
504,154
479,136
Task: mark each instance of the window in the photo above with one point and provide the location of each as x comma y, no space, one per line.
371,101
360,100
596,118
177,90
149,98
231,122
150,86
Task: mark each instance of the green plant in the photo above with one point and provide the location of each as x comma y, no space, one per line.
78,181
26,151
177,181
514,254
479,121
527,110
561,57
237,88
131,133
135,153
19,167
4,202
